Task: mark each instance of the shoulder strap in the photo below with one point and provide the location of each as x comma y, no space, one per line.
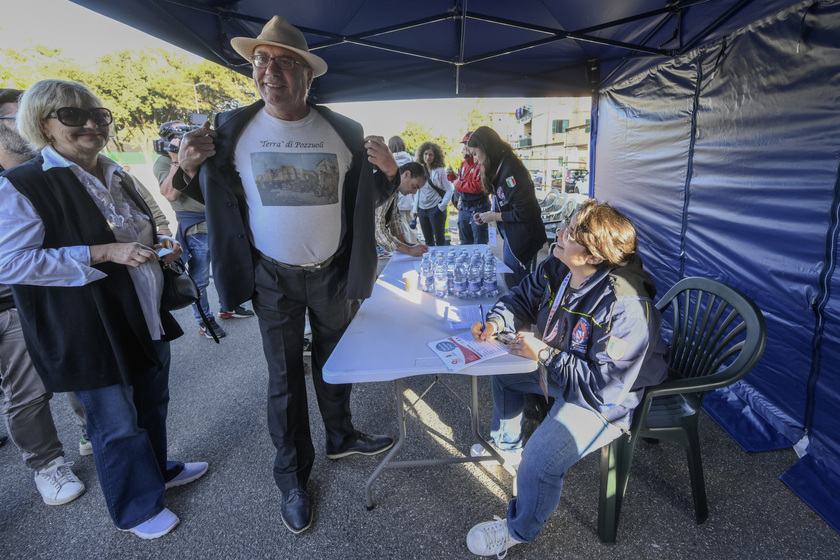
440,191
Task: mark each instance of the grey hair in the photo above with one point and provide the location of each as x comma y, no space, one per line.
44,97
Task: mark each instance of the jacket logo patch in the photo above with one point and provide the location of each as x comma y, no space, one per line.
511,182
500,194
616,348
580,336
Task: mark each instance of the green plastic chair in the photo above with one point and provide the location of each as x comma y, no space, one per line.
718,336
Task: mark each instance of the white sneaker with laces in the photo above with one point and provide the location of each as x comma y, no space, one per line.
57,483
491,537
155,527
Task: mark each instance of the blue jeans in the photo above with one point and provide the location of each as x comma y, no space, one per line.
127,428
568,433
199,267
470,232
520,270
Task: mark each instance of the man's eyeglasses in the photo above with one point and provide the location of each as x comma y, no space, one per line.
8,118
282,62
73,116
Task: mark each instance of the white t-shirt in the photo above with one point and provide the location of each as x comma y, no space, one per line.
293,175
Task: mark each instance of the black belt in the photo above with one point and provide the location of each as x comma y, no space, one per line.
307,267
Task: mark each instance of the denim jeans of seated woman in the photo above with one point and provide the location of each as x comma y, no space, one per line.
568,433
127,428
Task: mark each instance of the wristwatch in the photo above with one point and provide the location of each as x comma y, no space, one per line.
544,356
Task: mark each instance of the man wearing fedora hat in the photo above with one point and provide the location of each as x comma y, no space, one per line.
290,189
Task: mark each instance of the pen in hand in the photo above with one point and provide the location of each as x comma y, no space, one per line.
481,311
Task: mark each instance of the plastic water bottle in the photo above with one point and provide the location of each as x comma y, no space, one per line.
441,278
459,286
427,274
475,280
450,270
491,288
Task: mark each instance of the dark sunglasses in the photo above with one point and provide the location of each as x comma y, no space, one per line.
73,116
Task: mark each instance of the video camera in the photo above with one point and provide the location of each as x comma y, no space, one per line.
168,132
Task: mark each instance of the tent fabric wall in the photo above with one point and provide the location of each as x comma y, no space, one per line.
727,160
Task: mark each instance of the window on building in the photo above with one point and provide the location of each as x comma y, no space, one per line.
559,126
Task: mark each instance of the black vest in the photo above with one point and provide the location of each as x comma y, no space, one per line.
84,337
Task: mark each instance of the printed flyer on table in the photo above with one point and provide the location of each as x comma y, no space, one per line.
461,351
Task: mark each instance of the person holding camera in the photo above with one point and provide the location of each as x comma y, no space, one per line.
192,227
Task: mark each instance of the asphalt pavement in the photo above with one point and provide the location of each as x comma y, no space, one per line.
217,414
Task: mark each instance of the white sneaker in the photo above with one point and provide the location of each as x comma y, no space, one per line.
491,537
155,527
57,483
85,447
191,472
512,458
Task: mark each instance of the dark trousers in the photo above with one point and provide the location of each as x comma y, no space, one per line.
433,223
282,296
470,232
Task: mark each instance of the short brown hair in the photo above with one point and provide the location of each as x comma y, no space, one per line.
7,96
605,232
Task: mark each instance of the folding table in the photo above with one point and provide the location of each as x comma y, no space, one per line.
388,341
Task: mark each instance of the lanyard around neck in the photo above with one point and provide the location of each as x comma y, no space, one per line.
558,300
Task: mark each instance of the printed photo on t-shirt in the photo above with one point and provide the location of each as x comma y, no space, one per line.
285,179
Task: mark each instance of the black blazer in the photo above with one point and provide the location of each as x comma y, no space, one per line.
516,199
219,187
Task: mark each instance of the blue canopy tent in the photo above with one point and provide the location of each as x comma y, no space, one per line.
716,126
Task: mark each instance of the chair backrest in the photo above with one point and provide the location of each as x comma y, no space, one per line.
718,333
549,199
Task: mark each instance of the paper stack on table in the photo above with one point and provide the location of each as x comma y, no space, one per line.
464,316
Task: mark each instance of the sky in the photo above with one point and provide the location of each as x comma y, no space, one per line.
85,35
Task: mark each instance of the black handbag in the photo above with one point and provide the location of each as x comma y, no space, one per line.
180,290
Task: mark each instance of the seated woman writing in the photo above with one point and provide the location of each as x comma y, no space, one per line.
598,346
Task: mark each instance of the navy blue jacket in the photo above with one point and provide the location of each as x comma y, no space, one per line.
609,343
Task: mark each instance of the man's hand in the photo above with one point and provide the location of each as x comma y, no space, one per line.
380,156
414,250
196,146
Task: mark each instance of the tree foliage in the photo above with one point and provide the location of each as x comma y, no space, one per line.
416,133
142,88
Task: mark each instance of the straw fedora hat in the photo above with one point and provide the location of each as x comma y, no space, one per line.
280,33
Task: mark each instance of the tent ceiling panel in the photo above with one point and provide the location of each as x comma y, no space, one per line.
451,48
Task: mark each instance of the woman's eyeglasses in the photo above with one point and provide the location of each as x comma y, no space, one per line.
73,116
